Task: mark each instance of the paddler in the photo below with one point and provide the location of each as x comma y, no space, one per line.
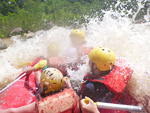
108,77
71,57
78,40
49,81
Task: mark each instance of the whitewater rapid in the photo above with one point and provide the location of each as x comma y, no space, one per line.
125,38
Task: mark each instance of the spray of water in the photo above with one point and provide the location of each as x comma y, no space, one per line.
114,31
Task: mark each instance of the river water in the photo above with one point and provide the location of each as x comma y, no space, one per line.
125,38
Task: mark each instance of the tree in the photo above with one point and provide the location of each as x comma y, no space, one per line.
10,6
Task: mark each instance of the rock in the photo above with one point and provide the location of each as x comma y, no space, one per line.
2,45
28,35
17,30
50,24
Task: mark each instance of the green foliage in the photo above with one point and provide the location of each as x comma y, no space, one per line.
10,6
32,15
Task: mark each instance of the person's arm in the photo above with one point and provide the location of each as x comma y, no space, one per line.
31,108
37,77
67,83
88,106
37,66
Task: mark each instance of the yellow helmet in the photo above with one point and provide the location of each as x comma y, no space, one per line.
77,36
51,80
103,58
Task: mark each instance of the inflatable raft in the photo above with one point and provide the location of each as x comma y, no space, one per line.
23,92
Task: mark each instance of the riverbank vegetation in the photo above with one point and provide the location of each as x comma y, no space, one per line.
32,15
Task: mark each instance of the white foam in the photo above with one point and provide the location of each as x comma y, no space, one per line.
120,34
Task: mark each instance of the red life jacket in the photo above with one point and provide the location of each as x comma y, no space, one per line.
117,79
63,102
116,82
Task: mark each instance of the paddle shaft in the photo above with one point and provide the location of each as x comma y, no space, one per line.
119,107
22,75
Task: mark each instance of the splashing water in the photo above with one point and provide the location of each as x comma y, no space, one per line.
120,34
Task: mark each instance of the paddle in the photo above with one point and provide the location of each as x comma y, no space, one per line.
20,76
115,106
119,106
